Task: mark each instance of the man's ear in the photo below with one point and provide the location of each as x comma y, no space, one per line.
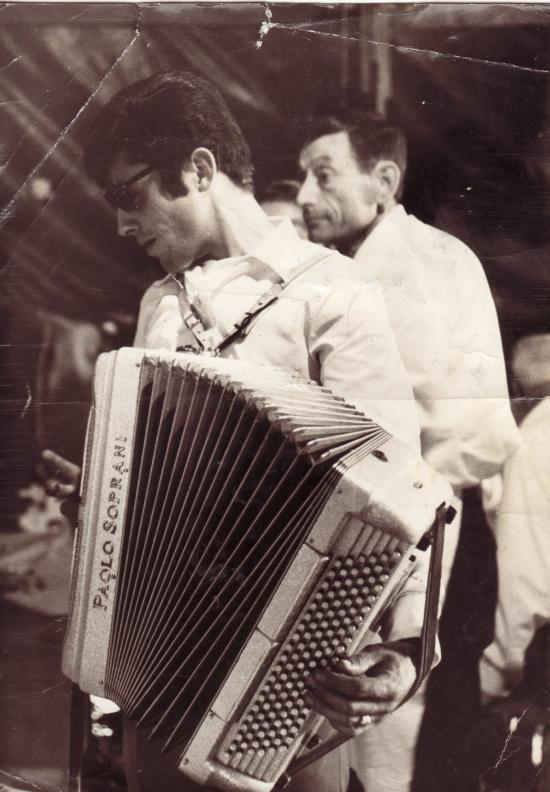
204,165
388,174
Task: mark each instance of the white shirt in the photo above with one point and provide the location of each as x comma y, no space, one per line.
325,325
329,324
522,534
447,330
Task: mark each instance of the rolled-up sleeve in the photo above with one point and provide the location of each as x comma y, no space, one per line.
468,430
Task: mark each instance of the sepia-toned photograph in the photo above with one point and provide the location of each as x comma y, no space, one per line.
275,397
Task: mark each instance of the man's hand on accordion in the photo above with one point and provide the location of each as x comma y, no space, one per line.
362,688
61,480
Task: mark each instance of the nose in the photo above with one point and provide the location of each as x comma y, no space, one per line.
125,224
308,192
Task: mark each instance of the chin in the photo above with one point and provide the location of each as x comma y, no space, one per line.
170,266
318,234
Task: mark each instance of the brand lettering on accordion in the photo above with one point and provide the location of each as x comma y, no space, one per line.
104,594
103,591
250,535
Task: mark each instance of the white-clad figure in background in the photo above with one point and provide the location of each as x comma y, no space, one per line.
522,529
447,331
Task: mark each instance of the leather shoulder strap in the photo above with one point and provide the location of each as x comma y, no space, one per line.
242,327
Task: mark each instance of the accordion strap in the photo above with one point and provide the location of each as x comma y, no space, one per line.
206,338
444,516
428,637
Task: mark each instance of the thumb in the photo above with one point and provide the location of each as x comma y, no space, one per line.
359,663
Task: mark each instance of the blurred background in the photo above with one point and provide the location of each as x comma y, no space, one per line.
468,83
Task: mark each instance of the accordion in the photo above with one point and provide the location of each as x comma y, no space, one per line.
239,528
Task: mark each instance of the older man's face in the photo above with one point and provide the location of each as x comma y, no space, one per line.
337,198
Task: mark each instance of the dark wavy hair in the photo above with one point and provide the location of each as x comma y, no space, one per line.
159,121
372,138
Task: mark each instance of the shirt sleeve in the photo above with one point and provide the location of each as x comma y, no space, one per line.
351,337
444,318
468,430
159,321
143,321
523,556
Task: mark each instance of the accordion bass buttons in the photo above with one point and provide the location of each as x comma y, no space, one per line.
329,626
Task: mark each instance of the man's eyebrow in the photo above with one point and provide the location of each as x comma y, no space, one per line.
321,159
315,162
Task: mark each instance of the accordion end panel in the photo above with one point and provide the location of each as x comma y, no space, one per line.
99,530
393,489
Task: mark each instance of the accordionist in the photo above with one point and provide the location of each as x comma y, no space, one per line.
174,166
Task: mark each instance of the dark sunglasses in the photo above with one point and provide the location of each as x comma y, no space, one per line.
120,197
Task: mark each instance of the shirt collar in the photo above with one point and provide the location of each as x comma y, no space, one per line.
280,251
385,228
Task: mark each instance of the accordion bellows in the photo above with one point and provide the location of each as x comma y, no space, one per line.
239,527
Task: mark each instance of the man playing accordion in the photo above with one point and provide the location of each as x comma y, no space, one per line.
175,167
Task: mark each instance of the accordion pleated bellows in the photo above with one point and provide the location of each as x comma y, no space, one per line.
240,527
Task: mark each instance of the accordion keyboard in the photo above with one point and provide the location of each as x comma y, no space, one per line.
339,606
